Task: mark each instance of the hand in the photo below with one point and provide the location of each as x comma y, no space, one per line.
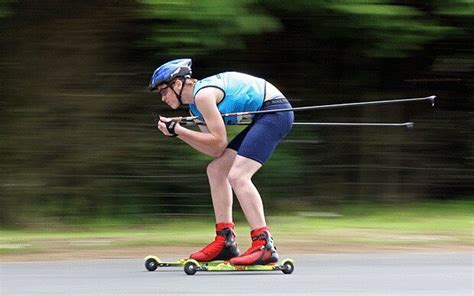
167,126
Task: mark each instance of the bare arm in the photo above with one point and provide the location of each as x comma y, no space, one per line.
212,140
206,149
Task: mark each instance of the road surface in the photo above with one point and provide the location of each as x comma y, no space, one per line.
338,274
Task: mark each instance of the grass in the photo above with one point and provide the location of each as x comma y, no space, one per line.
433,225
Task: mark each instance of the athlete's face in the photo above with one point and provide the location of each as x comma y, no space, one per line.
168,96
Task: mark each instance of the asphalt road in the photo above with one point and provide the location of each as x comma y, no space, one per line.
346,274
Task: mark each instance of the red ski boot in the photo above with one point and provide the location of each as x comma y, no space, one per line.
261,252
223,247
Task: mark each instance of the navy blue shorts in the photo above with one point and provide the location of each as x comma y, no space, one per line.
260,138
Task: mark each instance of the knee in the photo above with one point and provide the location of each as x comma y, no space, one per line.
216,168
237,179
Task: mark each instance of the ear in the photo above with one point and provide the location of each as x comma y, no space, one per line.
178,83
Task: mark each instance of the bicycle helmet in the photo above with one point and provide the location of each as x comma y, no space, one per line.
169,71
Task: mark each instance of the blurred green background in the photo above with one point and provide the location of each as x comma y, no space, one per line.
77,140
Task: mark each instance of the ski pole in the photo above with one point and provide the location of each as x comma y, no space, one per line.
316,107
361,124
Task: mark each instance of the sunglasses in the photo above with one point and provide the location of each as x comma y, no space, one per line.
162,92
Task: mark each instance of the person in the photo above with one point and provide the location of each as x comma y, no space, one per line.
234,163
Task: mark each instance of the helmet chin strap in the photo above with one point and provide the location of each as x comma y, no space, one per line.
178,96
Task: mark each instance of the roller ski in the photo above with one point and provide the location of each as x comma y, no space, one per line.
192,266
223,255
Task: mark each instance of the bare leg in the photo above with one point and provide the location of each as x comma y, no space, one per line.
221,191
240,178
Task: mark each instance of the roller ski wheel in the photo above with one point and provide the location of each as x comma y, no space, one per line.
288,266
192,266
151,264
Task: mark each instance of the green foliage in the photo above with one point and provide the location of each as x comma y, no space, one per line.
5,9
391,30
192,27
382,28
461,8
375,28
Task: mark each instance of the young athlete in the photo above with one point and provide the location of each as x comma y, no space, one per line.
234,163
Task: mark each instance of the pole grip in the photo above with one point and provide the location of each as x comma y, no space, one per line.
177,119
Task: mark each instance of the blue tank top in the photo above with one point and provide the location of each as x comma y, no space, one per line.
242,92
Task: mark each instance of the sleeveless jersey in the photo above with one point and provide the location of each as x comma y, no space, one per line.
242,92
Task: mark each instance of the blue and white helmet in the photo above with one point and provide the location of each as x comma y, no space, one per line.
169,71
